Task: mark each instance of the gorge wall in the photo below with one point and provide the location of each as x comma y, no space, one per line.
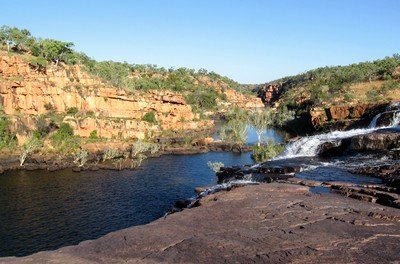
26,93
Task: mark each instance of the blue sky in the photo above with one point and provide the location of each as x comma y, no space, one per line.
248,40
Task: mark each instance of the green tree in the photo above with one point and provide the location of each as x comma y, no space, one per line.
261,121
29,147
55,50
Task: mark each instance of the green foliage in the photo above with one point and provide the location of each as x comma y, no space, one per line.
7,139
328,82
282,116
64,132
72,110
266,152
215,166
110,154
39,63
234,132
389,86
373,96
30,146
52,50
203,98
93,135
261,120
81,157
15,39
237,114
150,117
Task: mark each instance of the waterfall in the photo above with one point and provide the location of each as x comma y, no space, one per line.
309,146
374,121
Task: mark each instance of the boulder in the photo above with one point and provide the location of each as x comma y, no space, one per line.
377,141
337,112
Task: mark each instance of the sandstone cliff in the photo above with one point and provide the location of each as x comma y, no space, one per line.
26,93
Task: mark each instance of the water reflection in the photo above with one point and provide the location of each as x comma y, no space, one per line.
43,210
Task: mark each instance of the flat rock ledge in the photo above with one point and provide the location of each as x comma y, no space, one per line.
265,223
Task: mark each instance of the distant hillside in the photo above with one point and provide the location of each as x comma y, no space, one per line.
374,81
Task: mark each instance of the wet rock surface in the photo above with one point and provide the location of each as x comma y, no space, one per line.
390,174
274,223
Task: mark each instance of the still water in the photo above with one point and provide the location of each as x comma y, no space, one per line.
41,210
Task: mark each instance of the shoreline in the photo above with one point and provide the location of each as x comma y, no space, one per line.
276,222
46,162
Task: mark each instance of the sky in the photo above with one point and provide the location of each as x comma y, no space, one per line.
250,41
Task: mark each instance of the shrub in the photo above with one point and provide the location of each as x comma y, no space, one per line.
38,63
215,166
389,86
149,117
65,131
29,147
49,106
234,132
110,154
266,152
81,157
72,110
93,135
6,138
373,95
64,140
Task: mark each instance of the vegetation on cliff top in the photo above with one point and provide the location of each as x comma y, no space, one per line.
366,81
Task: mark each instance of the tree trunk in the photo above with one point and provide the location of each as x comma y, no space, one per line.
259,133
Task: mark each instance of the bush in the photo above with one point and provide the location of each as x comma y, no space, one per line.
149,117
72,110
266,152
389,86
373,95
65,131
38,63
6,138
93,135
29,147
215,166
81,157
49,106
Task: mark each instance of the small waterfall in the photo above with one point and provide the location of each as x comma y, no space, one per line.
309,146
374,121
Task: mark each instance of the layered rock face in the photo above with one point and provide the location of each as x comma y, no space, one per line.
31,93
319,116
269,93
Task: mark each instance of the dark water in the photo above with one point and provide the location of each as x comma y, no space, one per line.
41,210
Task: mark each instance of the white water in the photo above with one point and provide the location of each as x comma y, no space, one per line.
308,146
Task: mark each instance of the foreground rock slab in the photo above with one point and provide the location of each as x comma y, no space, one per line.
260,223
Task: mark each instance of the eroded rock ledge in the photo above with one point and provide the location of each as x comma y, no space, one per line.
260,223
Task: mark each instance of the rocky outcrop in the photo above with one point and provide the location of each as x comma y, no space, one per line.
344,116
269,93
377,141
113,113
266,223
390,174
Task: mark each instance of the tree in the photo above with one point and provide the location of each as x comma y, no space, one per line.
19,39
81,157
29,147
261,121
55,50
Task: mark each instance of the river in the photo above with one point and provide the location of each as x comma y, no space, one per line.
42,210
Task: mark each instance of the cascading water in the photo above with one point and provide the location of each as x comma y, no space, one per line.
309,146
